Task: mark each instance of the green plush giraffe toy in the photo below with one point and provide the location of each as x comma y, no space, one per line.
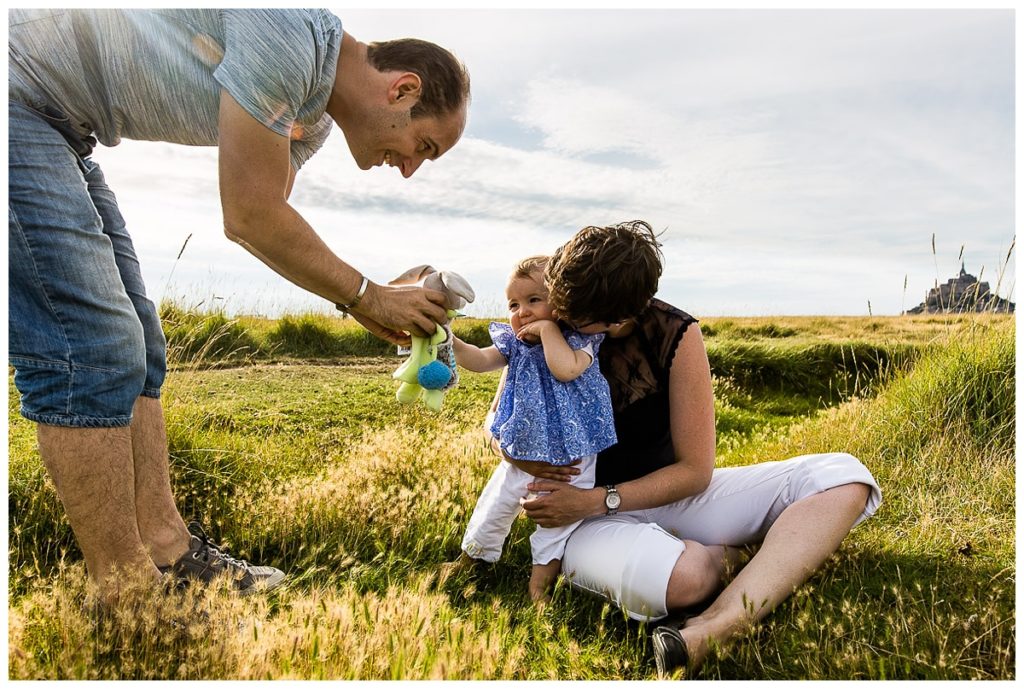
430,370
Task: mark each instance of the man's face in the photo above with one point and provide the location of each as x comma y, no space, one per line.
392,137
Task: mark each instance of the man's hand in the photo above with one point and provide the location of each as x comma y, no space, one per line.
387,311
544,470
563,504
396,337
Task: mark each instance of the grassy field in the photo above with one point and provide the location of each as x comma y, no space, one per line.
287,443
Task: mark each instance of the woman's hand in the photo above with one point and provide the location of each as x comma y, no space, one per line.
563,504
542,469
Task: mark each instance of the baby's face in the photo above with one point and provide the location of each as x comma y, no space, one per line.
527,300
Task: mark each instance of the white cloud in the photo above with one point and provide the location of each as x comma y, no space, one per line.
800,160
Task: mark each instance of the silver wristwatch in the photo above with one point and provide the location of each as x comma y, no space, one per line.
612,500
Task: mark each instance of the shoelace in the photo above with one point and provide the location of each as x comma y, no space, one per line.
208,547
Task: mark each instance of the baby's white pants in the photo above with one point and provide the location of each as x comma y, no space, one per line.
629,557
499,505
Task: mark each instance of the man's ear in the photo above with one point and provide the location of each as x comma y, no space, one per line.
406,86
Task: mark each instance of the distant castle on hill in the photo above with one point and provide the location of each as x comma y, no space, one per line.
963,294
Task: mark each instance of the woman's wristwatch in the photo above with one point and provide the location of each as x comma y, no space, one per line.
612,500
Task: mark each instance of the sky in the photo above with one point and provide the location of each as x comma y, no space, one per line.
797,162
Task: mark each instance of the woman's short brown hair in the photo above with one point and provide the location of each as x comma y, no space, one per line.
444,80
605,274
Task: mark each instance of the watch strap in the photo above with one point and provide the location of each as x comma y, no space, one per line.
611,491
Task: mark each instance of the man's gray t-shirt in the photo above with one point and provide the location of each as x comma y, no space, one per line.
156,75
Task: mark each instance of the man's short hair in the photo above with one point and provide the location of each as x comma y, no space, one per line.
444,79
605,274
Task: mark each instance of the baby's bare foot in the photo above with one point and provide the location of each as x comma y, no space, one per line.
542,578
464,564
539,595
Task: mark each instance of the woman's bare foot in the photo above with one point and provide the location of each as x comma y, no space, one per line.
697,648
708,630
680,650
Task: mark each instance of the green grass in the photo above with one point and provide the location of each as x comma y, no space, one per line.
290,447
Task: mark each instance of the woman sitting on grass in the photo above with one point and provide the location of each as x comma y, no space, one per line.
661,528
553,408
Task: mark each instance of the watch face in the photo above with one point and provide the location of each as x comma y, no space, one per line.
612,500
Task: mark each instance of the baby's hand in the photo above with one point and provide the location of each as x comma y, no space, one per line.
532,332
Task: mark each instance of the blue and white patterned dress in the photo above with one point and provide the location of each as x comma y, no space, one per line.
539,418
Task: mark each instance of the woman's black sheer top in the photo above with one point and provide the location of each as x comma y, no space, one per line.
636,367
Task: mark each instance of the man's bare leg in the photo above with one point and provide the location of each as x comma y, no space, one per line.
93,471
161,527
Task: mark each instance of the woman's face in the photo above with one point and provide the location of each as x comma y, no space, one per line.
527,300
620,329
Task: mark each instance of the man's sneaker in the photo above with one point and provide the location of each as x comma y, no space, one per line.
205,560
669,651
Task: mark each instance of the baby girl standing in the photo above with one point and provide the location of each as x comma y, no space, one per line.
554,407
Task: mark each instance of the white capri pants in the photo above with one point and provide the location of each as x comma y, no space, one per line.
499,505
628,558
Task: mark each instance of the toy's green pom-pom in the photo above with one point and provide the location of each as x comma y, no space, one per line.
434,375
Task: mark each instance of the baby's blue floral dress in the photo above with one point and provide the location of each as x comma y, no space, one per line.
542,419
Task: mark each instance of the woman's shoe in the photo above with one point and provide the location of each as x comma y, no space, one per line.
669,650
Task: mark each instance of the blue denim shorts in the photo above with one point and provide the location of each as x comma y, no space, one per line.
85,342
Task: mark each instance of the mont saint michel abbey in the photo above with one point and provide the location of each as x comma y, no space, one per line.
963,294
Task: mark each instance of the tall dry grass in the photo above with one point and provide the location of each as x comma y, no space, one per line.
315,469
